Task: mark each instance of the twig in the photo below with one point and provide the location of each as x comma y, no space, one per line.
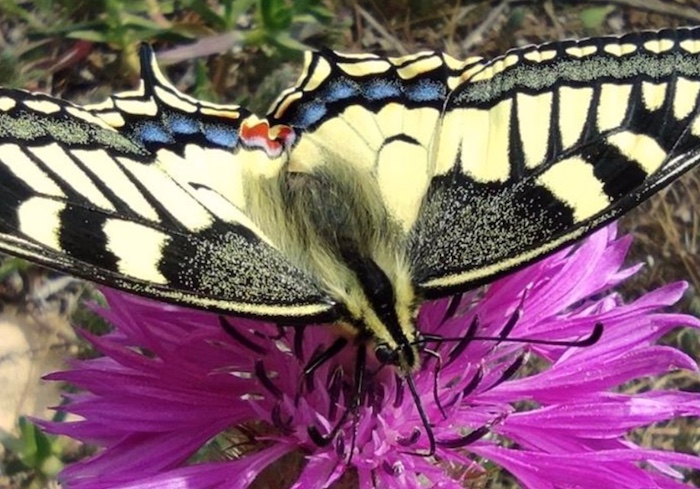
659,7
549,10
382,31
477,34
451,26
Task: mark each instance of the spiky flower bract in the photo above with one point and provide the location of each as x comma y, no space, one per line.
172,380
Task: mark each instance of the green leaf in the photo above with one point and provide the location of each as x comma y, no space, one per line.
93,36
27,450
275,15
594,17
12,265
35,450
234,10
202,8
284,39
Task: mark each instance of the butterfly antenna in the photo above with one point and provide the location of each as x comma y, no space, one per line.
590,340
463,341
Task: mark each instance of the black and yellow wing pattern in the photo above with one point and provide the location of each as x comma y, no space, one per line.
373,184
578,133
143,192
514,157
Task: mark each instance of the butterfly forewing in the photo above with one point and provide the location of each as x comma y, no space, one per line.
544,144
146,192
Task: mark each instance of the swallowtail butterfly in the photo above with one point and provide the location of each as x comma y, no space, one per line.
374,184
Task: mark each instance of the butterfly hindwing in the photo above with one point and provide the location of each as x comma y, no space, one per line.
373,114
542,145
146,192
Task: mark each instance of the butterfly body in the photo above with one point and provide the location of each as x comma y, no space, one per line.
330,221
372,185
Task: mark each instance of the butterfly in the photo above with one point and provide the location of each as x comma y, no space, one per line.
372,185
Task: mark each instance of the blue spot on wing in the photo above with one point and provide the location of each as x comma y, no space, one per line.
221,136
381,89
341,89
153,132
371,92
183,125
425,91
310,113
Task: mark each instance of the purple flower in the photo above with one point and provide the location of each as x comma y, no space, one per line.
172,380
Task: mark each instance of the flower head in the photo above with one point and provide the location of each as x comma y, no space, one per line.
172,380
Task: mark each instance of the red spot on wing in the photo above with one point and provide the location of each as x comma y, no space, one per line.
257,133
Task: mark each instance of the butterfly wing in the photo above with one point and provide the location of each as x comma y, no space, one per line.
146,192
377,115
545,144
484,166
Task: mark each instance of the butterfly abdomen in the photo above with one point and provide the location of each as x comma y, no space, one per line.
336,227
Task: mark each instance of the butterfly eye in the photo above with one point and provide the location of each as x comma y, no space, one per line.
420,341
386,355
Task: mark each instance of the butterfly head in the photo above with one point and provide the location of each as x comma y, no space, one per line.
404,356
393,337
